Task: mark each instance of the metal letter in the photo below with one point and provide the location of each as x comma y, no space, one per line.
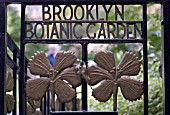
41,28
130,32
54,31
62,29
28,30
47,29
74,32
56,13
100,31
118,30
87,31
46,12
71,12
117,12
138,30
75,12
107,11
88,12
111,31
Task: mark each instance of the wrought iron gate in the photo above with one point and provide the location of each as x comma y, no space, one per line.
29,35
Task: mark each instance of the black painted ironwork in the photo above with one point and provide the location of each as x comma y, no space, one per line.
3,57
145,59
82,1
84,113
15,81
22,96
5,41
84,84
12,63
166,55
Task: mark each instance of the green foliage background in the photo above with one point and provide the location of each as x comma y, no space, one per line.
155,90
154,53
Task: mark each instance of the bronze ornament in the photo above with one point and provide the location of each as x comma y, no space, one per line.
33,107
110,77
9,98
58,78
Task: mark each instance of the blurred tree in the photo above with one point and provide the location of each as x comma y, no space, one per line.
13,28
13,23
155,90
33,48
154,54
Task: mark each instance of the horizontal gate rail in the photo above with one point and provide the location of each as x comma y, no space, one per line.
85,21
82,1
84,113
58,41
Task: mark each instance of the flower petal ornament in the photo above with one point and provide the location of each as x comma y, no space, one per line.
33,107
58,78
110,77
9,98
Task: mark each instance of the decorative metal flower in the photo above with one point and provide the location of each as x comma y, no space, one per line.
57,78
33,107
113,77
9,98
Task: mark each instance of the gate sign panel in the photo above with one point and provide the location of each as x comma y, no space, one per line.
83,22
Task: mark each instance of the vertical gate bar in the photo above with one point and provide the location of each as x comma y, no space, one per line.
61,106
48,102
15,83
26,65
74,102
41,105
3,45
45,104
166,56
145,59
22,97
84,84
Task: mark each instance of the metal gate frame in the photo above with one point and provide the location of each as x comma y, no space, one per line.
22,96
